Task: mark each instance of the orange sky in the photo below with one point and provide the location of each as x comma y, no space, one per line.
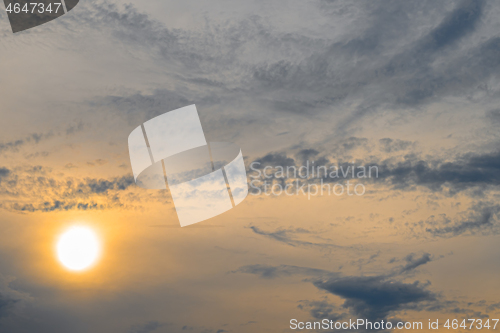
410,87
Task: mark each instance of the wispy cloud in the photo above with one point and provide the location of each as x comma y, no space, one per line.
412,262
289,237
271,272
35,138
481,218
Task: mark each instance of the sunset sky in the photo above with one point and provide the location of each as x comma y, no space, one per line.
411,87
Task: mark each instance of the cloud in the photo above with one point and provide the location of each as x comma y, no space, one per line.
464,172
56,205
272,272
389,145
457,24
480,218
476,175
75,128
140,107
338,62
374,297
4,172
405,79
99,186
11,145
146,328
459,173
412,262
33,189
494,116
11,300
274,159
320,309
35,138
6,305
287,236
101,162
375,62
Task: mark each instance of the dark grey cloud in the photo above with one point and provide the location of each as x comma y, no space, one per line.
298,163
466,171
374,297
457,24
99,186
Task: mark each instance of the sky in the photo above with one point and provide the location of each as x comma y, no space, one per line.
409,87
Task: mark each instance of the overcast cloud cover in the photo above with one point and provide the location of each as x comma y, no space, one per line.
411,87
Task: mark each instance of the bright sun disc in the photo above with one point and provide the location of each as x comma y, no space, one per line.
78,248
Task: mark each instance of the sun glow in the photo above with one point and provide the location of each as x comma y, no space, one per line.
78,248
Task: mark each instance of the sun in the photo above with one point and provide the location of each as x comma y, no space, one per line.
78,248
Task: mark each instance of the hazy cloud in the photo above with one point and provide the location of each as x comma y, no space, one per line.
146,328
